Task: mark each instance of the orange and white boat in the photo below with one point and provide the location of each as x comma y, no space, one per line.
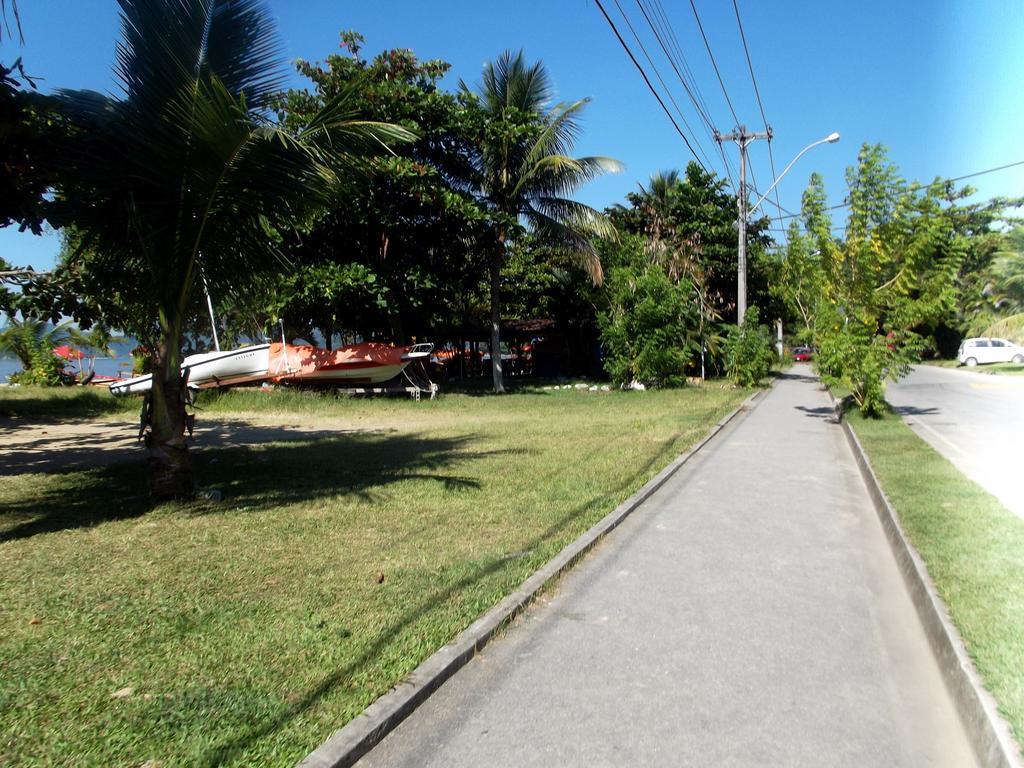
367,363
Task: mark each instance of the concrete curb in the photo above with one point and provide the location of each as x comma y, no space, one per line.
355,739
988,733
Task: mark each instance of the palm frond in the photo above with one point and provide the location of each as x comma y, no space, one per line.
583,219
244,50
5,26
560,133
510,84
339,133
560,175
169,46
568,240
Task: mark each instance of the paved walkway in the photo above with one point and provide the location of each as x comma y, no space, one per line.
749,614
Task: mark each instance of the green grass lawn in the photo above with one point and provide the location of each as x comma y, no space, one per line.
244,632
972,545
63,402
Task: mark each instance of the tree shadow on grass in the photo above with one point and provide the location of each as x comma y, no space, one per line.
102,494
78,403
312,466
231,747
350,464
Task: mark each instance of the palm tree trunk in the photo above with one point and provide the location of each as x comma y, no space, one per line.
170,471
496,261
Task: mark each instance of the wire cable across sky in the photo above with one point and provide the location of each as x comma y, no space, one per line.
650,87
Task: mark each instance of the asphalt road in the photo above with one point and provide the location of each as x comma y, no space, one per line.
749,613
975,420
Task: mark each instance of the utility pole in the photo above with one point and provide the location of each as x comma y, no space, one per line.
742,139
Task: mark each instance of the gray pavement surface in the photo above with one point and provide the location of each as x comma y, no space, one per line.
750,613
975,420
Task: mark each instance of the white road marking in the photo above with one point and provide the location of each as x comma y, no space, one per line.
941,437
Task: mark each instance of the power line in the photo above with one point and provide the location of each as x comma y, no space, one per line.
750,66
714,64
982,173
773,202
693,90
664,34
703,115
657,74
846,203
660,9
648,82
687,80
760,105
829,208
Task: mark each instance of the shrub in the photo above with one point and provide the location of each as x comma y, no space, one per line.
853,356
748,351
44,370
647,331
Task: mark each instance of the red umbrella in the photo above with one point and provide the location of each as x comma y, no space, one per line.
68,352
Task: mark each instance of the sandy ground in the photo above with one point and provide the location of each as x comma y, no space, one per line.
61,445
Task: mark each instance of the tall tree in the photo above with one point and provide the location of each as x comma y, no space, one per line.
892,275
392,251
525,177
689,220
797,277
187,172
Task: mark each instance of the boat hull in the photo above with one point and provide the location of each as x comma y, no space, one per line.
210,369
367,363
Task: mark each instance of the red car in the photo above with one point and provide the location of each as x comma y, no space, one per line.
803,354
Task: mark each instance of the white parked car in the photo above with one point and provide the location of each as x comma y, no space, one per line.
979,351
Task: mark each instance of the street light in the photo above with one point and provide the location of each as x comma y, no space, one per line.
832,138
742,138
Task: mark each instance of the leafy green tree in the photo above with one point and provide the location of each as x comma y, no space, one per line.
998,307
524,176
798,274
748,350
407,228
689,221
892,275
648,329
30,129
187,171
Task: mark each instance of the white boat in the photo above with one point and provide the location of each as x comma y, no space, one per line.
210,369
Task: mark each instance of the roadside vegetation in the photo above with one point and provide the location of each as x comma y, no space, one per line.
914,269
244,631
375,201
971,546
999,368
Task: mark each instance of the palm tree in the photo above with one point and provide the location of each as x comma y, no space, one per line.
188,171
22,338
677,251
523,174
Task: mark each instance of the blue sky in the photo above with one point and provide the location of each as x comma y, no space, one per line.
937,81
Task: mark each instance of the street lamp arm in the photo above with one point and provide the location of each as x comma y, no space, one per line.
832,138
